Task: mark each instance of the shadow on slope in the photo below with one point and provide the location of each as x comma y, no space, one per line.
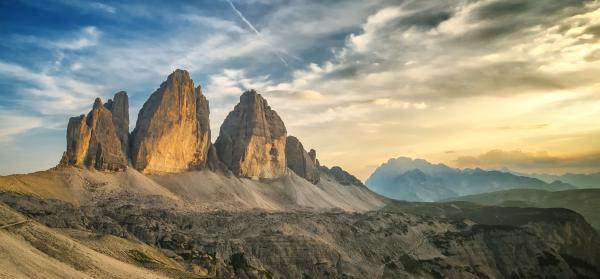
584,201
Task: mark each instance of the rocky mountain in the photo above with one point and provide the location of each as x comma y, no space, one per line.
252,139
175,112
100,139
254,205
300,161
341,176
583,201
418,180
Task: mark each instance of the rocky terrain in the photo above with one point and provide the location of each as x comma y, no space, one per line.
583,201
390,243
255,204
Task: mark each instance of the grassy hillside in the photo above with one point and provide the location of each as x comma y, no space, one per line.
584,201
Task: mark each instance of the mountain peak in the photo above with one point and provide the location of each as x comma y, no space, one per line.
178,74
99,140
419,180
97,104
252,139
175,111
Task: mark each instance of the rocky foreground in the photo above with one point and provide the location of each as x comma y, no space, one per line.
165,202
387,243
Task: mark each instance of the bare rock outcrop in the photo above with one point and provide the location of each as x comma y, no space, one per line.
99,140
252,139
172,132
119,107
341,176
313,157
300,161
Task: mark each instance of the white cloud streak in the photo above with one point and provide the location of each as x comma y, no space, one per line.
251,26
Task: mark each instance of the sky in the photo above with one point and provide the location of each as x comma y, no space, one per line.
490,83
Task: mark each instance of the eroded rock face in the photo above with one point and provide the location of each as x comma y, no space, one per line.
300,161
172,132
341,176
252,139
99,140
313,157
119,107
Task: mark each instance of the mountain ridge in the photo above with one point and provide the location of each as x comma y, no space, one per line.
584,201
398,179
267,210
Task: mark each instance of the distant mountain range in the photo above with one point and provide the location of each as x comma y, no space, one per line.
584,201
578,180
418,180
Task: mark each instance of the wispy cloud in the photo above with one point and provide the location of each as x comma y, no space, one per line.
48,94
103,7
14,123
249,24
89,36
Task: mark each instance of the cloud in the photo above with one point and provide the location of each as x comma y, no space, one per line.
88,37
217,23
103,7
13,123
374,22
531,161
249,24
50,94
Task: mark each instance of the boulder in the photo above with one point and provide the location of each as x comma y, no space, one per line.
252,139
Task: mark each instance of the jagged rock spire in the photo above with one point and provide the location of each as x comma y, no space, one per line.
99,140
300,161
172,132
252,138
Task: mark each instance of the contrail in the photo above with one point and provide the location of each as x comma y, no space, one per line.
249,24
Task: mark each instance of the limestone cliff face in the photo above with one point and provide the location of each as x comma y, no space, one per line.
172,132
252,139
119,107
99,140
300,161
